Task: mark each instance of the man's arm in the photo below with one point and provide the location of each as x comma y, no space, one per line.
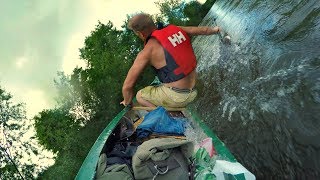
136,69
200,30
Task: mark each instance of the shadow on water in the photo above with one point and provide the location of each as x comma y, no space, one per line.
261,94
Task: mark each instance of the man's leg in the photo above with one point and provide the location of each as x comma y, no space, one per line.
142,101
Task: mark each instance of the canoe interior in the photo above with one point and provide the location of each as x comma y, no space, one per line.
119,128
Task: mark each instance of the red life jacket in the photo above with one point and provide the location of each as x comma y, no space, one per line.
179,55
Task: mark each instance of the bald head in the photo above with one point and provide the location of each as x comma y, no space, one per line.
141,22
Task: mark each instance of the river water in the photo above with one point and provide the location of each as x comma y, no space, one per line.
261,93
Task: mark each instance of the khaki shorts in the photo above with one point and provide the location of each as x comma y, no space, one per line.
167,96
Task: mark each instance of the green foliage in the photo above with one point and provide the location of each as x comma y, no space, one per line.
207,6
70,159
108,62
109,54
193,10
54,128
67,94
13,126
180,13
73,97
171,11
10,111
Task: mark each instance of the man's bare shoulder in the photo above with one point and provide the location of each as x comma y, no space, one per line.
146,53
153,42
152,45
156,53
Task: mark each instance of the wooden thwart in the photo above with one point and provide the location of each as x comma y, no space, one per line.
153,136
151,108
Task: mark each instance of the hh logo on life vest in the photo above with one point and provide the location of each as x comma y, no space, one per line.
177,38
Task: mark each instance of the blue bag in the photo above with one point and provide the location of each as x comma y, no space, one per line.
158,121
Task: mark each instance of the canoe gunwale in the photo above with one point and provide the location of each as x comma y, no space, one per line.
219,146
88,167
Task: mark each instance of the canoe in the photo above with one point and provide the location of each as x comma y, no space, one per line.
229,165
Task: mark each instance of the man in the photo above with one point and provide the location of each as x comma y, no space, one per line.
170,52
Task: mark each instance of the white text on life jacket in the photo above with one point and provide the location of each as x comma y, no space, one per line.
176,39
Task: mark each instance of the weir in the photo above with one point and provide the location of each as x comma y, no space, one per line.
261,93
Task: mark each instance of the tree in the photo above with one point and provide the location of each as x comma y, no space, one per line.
171,11
54,127
73,97
15,152
180,13
194,13
108,54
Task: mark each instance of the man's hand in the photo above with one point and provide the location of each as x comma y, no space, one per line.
125,104
216,30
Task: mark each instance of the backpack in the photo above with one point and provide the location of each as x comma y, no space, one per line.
162,158
116,172
117,166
